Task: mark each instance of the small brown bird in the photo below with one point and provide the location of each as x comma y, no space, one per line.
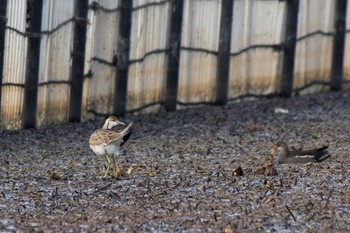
284,155
107,142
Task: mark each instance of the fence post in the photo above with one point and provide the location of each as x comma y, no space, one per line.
32,63
338,45
172,73
3,21
78,60
123,49
223,65
290,38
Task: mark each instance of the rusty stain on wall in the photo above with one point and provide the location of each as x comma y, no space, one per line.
197,77
11,107
55,110
313,63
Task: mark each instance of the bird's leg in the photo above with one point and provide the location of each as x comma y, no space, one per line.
108,166
114,167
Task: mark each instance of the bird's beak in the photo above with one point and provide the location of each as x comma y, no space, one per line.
119,122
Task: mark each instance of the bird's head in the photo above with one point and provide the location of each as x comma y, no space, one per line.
111,122
280,147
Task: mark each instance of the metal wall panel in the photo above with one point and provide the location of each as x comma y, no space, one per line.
55,62
255,71
14,68
314,54
146,82
89,53
200,30
102,36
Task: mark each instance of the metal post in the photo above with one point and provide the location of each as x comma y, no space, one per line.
172,73
338,45
3,8
32,63
78,60
123,49
289,47
223,65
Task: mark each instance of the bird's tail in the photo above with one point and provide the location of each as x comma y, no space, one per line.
126,133
127,129
322,155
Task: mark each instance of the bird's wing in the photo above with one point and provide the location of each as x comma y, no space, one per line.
102,136
106,136
126,133
322,148
303,153
315,152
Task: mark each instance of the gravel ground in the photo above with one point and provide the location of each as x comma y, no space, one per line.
181,178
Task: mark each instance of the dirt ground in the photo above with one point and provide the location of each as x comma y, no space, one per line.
181,179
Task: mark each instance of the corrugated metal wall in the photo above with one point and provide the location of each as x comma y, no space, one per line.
200,30
101,48
255,60
55,62
256,70
314,53
14,69
147,68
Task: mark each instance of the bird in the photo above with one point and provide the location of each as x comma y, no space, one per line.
107,142
284,155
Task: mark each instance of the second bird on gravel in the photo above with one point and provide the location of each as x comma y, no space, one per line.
107,142
284,155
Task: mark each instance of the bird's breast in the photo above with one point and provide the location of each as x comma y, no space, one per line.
98,149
